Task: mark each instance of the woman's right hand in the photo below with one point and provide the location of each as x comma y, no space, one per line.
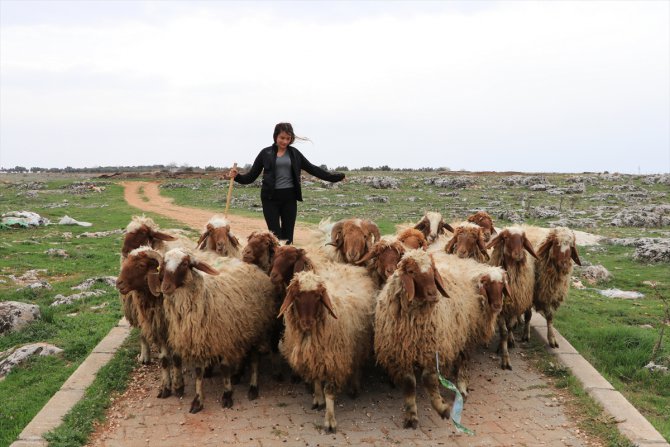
232,173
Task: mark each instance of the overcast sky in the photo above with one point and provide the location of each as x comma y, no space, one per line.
529,86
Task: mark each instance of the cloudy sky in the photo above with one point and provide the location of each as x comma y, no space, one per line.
527,86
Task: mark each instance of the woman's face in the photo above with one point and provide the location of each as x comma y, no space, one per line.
283,140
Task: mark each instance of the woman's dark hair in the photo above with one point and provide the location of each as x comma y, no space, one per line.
288,128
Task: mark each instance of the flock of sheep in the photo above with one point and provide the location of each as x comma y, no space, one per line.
433,290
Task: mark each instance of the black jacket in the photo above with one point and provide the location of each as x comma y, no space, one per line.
267,162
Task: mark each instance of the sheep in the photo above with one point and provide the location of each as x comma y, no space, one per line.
216,315
483,219
413,238
382,259
260,249
553,270
508,253
329,352
432,225
352,238
141,231
468,242
218,238
410,327
138,281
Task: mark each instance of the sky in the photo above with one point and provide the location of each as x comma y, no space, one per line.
547,86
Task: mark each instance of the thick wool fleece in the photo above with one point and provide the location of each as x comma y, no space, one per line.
552,282
221,316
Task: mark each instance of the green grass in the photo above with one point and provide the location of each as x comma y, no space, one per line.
76,328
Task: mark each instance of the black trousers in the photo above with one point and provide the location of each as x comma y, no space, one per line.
280,213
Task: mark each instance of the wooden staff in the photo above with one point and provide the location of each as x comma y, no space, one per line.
230,192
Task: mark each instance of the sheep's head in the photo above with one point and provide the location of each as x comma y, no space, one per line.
218,237
142,231
513,241
176,269
420,278
413,239
483,219
139,271
493,286
260,249
288,260
468,242
385,257
354,237
308,296
432,226
559,248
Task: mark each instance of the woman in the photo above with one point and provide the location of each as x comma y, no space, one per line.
281,164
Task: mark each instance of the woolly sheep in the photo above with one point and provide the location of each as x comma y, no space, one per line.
218,238
328,334
260,249
553,271
468,242
382,259
352,238
432,225
483,219
212,314
509,252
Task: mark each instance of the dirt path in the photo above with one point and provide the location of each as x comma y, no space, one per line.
505,408
146,197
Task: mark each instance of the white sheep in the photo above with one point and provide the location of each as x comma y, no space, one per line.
217,314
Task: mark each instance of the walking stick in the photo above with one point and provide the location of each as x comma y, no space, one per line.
230,192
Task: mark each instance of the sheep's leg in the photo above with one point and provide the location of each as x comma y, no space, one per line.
461,374
166,382
177,376
526,324
551,337
227,398
253,380
511,342
504,353
431,384
355,384
199,398
145,351
318,402
329,422
409,394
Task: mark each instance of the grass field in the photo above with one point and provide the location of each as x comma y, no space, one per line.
614,335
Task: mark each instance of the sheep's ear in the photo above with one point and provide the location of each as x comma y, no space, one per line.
482,246
408,284
529,247
439,282
234,241
495,241
493,230
162,236
574,255
482,289
288,300
202,242
325,299
204,267
336,235
367,256
446,226
374,229
154,283
451,245
545,245
300,263
422,225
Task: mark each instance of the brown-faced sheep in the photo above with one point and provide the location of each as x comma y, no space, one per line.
260,249
468,242
483,219
383,259
138,281
218,238
553,270
412,238
328,334
432,225
352,238
212,314
509,252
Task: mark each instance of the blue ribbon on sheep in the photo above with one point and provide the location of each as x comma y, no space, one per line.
457,409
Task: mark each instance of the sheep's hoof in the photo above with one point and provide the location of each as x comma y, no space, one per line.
253,393
145,361
445,413
553,344
179,392
165,392
227,399
318,406
506,365
330,429
411,423
196,406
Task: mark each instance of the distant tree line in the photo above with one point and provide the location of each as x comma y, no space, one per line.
172,167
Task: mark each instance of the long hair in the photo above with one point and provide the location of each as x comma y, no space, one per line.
288,128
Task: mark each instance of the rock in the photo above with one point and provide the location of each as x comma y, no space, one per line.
377,182
377,199
542,212
12,358
516,180
28,277
57,252
577,222
653,367
62,299
643,216
541,187
647,249
450,182
100,233
616,293
15,315
90,282
39,285
594,273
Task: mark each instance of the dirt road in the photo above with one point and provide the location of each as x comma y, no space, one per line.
505,408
